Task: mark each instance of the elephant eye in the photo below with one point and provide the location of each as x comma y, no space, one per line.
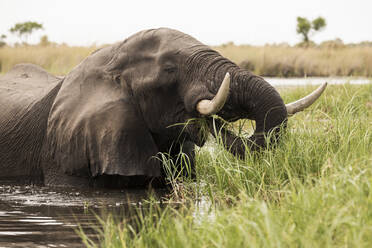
117,79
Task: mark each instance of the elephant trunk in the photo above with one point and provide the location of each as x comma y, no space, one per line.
259,101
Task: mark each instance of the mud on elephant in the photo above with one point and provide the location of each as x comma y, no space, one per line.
112,114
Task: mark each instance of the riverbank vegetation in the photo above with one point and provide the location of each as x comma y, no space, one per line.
328,59
331,58
57,59
314,190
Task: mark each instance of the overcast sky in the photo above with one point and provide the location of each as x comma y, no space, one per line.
212,22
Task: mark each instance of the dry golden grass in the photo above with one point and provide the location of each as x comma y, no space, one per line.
262,60
297,61
58,60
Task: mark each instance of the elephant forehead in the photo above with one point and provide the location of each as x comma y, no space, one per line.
159,41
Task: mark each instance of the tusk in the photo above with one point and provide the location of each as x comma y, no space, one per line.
305,102
210,107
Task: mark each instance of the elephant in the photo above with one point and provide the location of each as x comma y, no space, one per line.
106,121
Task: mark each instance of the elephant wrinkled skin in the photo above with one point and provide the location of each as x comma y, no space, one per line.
107,120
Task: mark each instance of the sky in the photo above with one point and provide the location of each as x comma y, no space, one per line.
215,22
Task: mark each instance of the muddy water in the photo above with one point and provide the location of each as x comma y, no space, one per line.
33,216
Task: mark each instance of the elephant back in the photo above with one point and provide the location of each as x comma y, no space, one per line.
27,79
26,95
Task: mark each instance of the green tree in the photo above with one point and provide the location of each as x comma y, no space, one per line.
25,29
304,26
319,24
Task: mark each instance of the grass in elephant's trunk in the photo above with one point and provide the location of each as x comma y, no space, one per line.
313,190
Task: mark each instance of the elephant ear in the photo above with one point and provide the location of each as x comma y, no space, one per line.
95,128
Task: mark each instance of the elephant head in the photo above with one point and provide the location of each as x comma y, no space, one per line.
120,106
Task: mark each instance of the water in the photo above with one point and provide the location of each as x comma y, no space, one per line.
32,216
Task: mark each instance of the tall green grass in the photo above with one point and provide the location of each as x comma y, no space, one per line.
314,190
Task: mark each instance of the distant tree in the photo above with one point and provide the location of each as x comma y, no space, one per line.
304,26
319,24
25,29
2,38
